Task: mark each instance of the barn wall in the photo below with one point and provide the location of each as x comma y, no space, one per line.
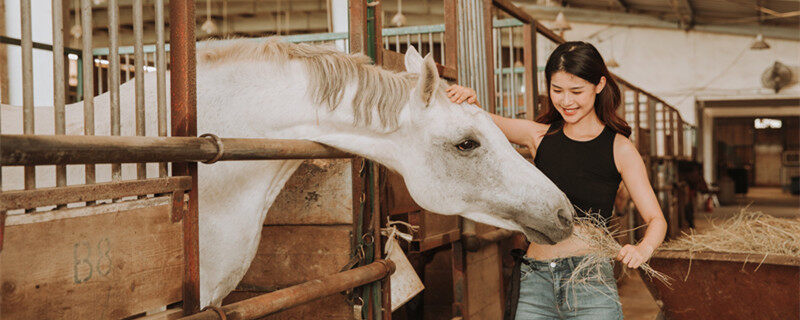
677,66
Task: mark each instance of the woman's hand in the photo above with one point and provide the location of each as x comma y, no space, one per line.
633,256
459,94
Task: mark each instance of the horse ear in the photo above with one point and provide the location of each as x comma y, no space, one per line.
428,80
413,60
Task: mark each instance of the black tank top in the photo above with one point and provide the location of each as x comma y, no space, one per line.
584,170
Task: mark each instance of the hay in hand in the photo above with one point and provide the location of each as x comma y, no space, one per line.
747,232
601,240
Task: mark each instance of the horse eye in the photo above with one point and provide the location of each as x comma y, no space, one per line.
467,145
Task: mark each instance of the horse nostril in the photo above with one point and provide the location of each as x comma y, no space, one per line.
565,217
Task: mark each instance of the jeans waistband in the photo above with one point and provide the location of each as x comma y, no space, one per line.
566,263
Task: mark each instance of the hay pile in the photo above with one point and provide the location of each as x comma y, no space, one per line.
747,232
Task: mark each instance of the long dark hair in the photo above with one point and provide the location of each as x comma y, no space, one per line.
583,60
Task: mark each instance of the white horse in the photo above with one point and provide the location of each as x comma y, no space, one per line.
454,160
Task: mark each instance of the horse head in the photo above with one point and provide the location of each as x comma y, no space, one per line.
456,161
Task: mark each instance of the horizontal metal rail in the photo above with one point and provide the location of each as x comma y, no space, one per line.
24,150
38,45
18,150
283,299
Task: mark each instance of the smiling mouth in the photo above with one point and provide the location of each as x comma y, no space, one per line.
570,111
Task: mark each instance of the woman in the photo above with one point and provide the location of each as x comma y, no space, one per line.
582,146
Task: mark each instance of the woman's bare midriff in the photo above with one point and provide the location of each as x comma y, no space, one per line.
570,247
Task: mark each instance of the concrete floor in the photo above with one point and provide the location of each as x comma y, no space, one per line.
638,304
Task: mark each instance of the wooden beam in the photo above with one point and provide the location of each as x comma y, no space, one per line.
25,199
647,21
513,10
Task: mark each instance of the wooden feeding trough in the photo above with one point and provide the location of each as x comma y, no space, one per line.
714,285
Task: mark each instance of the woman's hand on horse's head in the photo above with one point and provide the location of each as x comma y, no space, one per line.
459,94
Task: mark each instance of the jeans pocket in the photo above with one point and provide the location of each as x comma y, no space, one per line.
524,271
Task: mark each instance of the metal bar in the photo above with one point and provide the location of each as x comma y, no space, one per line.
513,76
531,89
138,60
442,50
38,45
498,45
113,78
306,292
431,47
127,67
59,83
18,150
184,123
161,78
419,42
24,199
88,81
27,83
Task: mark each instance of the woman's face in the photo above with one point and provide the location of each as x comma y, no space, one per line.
573,96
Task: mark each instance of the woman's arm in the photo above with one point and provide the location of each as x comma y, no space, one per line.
634,175
519,131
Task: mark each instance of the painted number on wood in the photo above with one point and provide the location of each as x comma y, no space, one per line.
88,262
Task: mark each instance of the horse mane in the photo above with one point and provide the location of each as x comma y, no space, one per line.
329,70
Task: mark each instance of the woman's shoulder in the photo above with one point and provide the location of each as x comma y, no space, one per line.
624,151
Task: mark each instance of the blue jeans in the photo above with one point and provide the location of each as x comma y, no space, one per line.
545,294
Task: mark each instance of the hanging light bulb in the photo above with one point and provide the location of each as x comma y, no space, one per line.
209,26
76,31
612,63
561,23
759,43
399,19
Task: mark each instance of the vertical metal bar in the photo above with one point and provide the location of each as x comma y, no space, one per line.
138,60
27,85
161,70
419,42
513,75
442,49
184,123
498,62
99,76
386,43
88,81
501,76
113,78
430,47
127,67
59,83
529,53
397,43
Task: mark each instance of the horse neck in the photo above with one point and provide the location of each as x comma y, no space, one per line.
280,107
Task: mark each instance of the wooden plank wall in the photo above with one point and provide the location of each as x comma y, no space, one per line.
108,261
307,235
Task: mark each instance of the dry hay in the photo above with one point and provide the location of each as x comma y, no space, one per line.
747,232
605,247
